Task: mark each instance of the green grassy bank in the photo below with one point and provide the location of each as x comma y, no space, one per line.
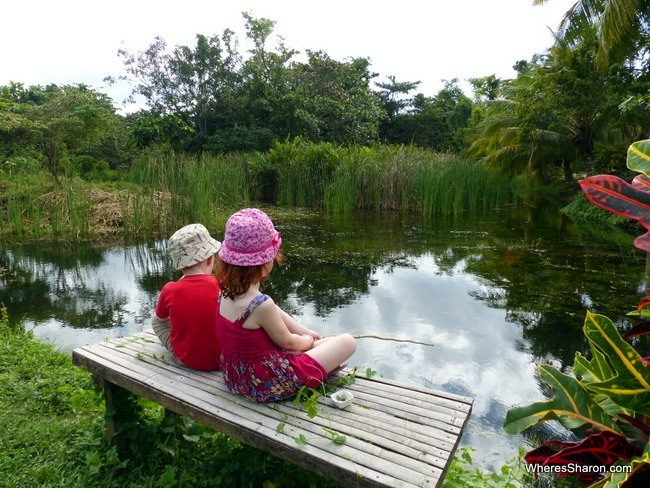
161,190
53,434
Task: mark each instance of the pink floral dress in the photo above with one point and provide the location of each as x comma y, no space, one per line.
254,366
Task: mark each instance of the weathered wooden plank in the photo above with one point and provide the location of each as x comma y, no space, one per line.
384,425
396,435
333,422
436,448
430,400
343,468
385,461
190,371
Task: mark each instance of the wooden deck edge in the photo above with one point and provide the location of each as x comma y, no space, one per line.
154,379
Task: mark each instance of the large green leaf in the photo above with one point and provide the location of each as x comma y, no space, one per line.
630,385
596,370
592,371
638,157
571,404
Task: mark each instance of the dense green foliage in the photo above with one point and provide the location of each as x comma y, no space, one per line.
163,190
623,28
67,128
562,115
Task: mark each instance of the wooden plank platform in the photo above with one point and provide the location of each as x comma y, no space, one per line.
396,435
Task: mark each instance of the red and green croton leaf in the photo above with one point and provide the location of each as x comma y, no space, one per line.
580,458
642,328
594,371
629,387
572,405
618,196
616,380
622,198
637,476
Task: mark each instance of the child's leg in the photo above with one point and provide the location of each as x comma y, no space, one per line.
333,351
162,328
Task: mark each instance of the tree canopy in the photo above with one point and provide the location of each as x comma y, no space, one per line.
57,123
564,113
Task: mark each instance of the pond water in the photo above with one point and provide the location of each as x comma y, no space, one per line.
495,294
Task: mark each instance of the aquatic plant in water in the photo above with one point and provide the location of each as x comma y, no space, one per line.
608,396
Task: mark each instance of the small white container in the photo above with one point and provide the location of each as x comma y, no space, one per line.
342,398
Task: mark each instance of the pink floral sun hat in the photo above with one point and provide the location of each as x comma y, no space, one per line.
250,239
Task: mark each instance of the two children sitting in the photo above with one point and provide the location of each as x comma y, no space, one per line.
221,320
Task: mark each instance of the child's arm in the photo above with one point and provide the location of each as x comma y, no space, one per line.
270,317
162,329
294,326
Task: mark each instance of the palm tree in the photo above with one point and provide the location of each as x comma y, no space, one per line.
552,115
623,27
504,141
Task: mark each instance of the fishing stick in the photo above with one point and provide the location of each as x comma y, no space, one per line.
382,338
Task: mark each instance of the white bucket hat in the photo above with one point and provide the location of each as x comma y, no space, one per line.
190,245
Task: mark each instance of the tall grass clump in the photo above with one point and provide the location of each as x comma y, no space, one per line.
59,212
378,178
199,186
78,205
13,221
296,172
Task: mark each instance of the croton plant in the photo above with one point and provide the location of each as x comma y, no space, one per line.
607,398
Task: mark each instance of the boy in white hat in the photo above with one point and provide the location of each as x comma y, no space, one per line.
186,313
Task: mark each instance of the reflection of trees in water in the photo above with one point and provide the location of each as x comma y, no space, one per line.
330,263
151,267
545,284
58,281
326,285
547,291
149,263
99,307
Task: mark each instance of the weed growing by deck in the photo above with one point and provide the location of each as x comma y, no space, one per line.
513,474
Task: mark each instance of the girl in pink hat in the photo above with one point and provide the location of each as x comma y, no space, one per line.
266,354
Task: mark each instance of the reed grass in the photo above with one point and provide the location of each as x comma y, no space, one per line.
61,212
200,187
411,180
336,178
163,190
13,222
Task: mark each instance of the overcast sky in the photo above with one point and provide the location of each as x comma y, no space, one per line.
73,41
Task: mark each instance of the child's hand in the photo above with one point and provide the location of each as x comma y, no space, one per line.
314,334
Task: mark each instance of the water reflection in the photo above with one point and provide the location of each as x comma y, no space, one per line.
496,295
